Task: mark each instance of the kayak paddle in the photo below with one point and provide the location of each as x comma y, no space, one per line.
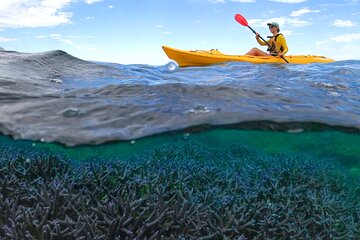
240,19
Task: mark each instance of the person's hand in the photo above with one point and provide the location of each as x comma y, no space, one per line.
280,54
257,36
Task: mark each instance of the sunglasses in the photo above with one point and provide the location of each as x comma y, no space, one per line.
271,26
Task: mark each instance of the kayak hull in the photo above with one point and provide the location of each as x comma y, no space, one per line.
203,58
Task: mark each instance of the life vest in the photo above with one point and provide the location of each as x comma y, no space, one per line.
274,45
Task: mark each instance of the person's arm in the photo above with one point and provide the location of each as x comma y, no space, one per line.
282,42
261,42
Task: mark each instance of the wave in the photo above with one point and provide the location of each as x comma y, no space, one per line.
55,97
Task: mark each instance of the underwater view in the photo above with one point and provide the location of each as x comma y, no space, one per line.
95,150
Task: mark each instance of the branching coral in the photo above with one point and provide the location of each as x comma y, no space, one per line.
180,191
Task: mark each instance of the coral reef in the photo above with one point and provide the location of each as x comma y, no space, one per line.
178,191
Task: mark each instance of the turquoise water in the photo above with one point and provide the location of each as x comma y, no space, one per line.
250,183
344,147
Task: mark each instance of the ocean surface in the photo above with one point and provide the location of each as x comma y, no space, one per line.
92,150
55,97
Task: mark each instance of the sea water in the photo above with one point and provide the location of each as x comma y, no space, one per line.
227,120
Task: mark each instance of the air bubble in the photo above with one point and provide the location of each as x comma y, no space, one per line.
171,66
334,94
56,80
71,112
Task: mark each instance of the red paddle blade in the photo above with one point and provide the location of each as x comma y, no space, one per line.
240,19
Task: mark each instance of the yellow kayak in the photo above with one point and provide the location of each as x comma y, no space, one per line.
202,58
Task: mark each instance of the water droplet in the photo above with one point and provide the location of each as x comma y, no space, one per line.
334,94
56,80
199,109
295,130
171,66
71,112
186,136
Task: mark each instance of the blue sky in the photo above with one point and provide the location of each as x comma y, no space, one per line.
132,31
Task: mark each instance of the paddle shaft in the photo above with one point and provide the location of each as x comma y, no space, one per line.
267,43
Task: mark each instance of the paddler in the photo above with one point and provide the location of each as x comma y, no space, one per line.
277,42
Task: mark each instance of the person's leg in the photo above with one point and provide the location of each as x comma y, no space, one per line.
256,52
